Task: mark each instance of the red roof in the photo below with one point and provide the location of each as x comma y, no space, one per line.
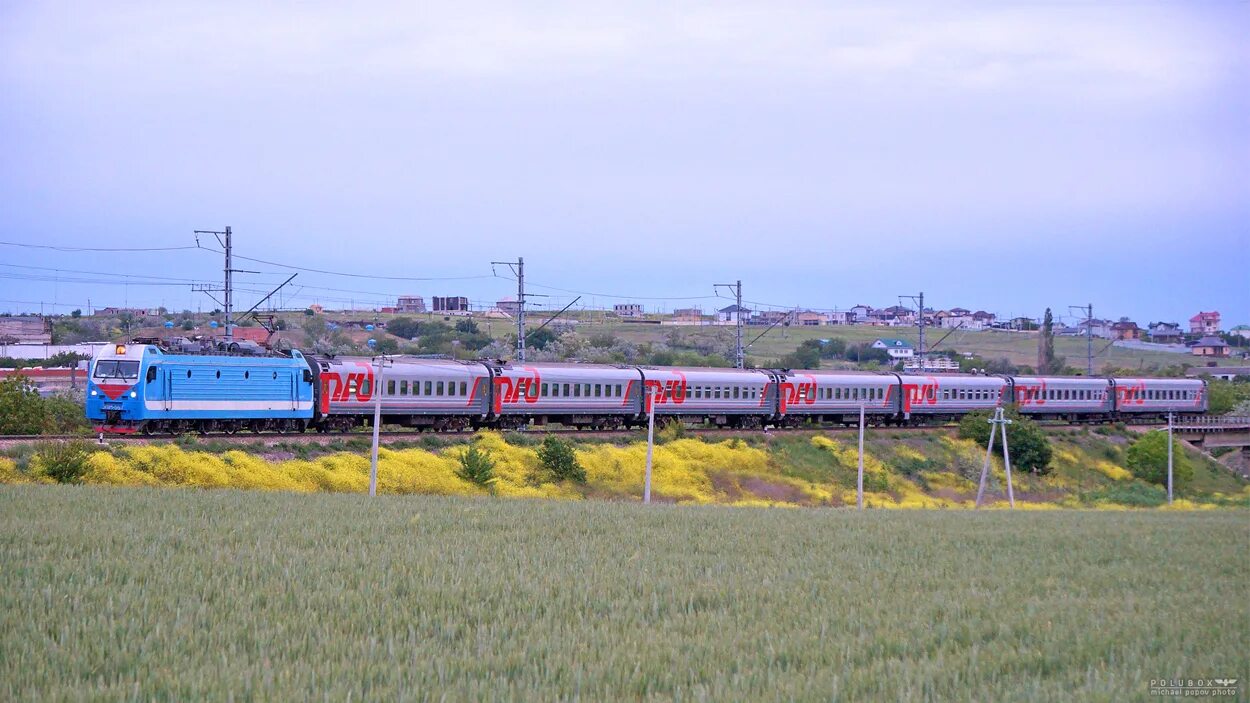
1213,316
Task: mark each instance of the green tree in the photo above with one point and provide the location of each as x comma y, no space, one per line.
75,314
1047,362
22,411
539,339
1148,459
1225,396
477,466
1030,449
404,327
558,457
807,356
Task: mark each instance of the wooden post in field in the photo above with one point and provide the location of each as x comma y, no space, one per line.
1169,458
859,482
1003,422
650,399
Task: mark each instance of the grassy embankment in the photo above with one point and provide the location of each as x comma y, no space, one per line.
903,469
110,594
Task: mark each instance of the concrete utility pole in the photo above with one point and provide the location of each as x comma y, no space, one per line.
739,353
919,321
1089,335
379,364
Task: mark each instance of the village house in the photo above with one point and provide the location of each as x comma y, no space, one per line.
1211,346
1205,323
627,310
1125,329
860,313
507,305
771,317
731,314
841,317
896,348
1164,332
410,303
688,316
807,318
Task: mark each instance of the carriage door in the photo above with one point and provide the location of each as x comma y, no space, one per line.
294,391
167,380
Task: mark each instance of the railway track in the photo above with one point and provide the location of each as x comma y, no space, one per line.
273,438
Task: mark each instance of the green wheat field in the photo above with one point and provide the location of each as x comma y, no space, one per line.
160,594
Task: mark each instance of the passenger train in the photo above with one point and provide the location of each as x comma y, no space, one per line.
149,387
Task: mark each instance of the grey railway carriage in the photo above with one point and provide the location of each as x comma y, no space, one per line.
596,396
722,397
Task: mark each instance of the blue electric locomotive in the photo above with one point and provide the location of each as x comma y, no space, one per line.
140,387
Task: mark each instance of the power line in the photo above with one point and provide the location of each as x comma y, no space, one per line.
345,273
99,249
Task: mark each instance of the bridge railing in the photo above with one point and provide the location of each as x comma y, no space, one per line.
1214,423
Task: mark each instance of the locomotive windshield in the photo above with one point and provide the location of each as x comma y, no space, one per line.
116,369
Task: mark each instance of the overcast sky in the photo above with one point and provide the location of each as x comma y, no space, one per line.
999,155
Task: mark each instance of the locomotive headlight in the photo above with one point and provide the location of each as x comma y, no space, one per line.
132,394
94,393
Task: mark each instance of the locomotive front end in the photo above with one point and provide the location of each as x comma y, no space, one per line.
115,388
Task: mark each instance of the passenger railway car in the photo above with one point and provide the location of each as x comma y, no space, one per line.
597,396
425,393
722,397
948,396
1156,397
139,387
836,396
1063,396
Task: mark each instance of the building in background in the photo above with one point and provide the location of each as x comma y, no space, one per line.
1211,346
508,305
688,316
1164,332
897,349
1205,323
451,304
1125,329
627,310
410,303
731,314
25,330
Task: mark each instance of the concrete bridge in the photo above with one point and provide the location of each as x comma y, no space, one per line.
1218,431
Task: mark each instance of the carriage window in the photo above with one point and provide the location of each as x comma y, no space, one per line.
544,391
716,392
464,388
403,388
598,390
438,388
577,390
618,390
390,388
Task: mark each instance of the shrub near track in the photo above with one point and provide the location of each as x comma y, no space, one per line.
110,594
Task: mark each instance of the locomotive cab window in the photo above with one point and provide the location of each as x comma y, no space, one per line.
152,374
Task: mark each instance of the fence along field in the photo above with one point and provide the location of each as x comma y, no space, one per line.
121,593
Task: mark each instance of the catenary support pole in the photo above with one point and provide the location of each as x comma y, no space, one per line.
859,481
